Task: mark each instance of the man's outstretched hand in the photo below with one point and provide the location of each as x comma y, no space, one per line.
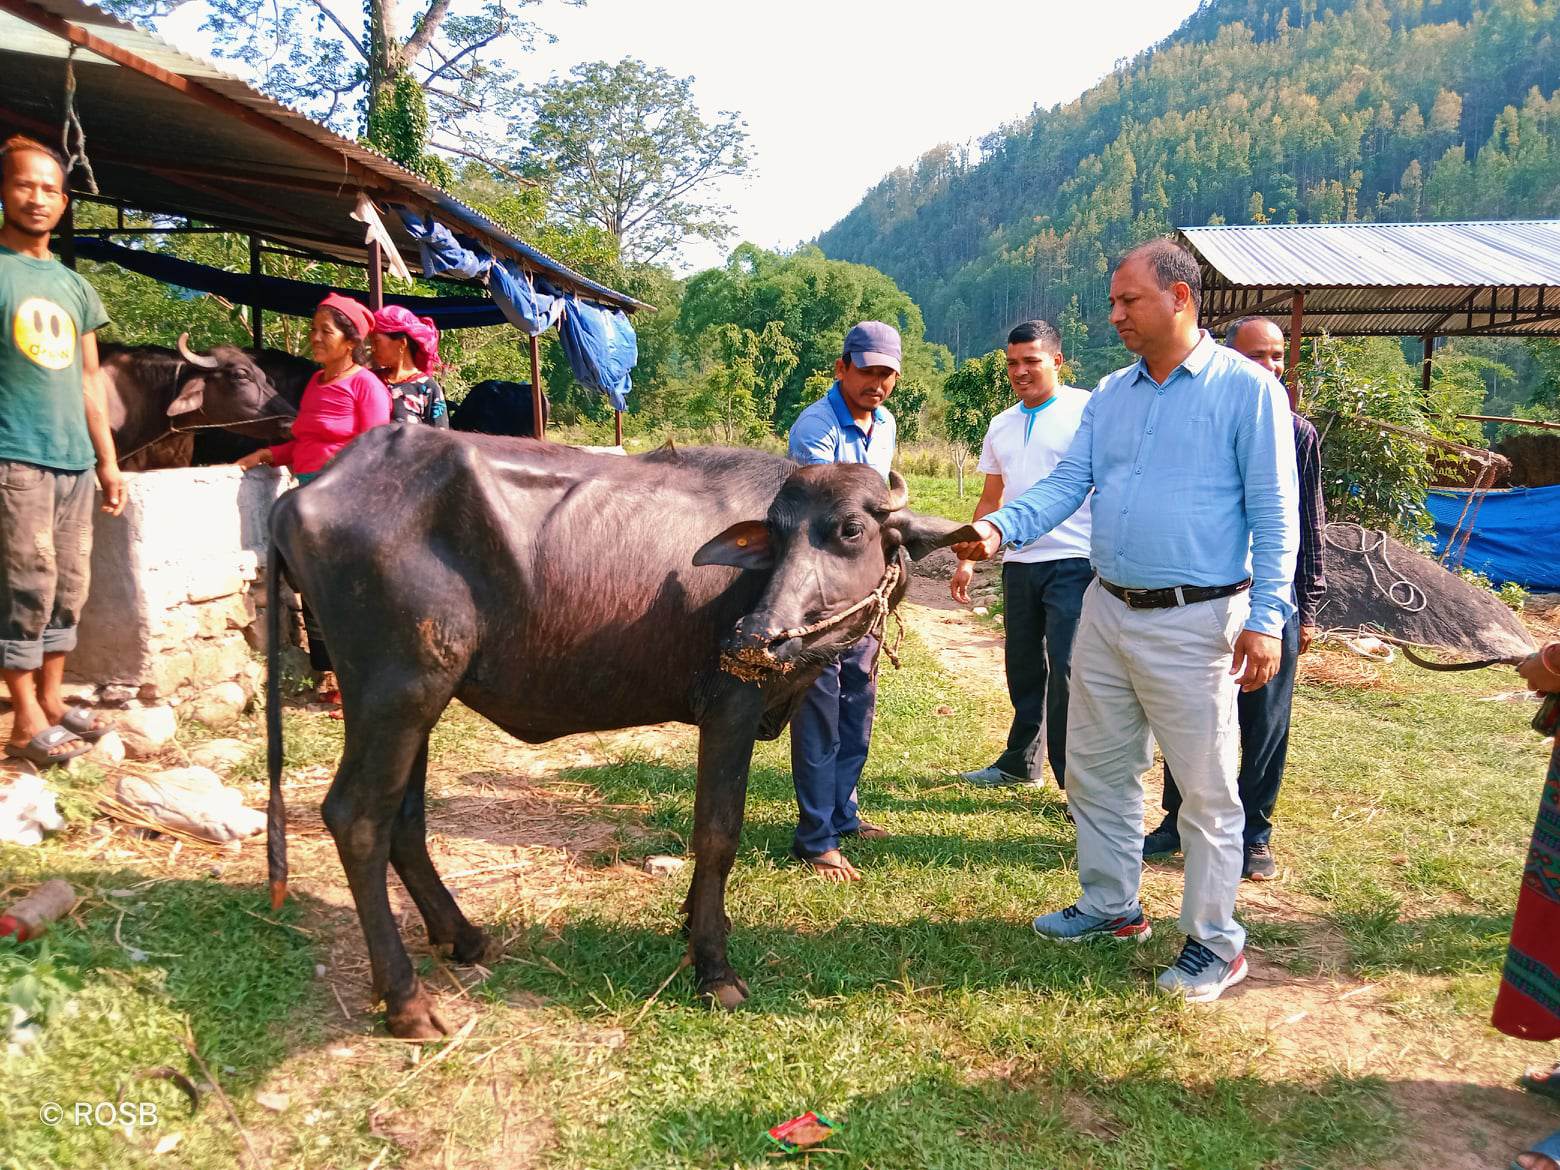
983,549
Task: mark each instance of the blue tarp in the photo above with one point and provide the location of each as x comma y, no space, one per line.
1516,534
601,346
296,298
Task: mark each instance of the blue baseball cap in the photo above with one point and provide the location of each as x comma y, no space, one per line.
873,343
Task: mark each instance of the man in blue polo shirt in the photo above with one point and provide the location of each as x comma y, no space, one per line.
832,729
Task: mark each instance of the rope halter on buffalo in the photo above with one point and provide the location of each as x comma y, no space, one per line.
756,663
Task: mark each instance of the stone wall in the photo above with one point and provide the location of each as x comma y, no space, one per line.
172,613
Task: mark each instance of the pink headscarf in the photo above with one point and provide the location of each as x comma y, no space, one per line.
354,311
420,331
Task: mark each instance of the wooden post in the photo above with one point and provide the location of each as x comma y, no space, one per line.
1424,369
66,236
539,420
1296,324
256,270
376,277
617,427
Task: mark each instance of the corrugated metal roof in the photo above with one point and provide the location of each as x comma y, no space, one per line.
162,150
1424,255
1386,279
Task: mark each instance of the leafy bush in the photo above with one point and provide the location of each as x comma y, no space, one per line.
1372,474
1512,595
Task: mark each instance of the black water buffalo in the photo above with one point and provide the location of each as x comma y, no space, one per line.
556,591
160,399
495,407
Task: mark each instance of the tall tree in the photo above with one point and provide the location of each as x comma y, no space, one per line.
420,74
815,301
625,148
975,394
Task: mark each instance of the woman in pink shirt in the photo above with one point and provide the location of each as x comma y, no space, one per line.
342,400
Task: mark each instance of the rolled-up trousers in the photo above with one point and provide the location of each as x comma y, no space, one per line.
1140,675
831,734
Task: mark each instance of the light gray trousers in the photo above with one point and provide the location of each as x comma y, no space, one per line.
1139,675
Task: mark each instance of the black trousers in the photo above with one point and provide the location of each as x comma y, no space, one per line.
1264,744
1041,604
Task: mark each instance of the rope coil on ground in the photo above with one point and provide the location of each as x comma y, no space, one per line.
1412,599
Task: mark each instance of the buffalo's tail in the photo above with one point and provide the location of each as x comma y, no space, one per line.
276,810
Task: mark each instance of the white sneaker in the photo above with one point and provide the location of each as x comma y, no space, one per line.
1199,975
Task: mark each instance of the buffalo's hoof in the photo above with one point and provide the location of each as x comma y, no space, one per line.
473,946
416,1019
727,994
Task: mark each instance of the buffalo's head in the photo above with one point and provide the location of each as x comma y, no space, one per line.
834,546
228,389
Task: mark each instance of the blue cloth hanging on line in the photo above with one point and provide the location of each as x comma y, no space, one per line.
601,346
446,254
442,253
1516,534
524,304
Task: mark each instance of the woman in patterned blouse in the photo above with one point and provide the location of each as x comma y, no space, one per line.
406,353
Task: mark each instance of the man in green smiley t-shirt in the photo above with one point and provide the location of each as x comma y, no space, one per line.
53,431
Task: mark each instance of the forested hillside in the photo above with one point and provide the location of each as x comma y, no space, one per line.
1253,111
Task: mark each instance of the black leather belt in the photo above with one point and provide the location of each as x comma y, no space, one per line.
1173,595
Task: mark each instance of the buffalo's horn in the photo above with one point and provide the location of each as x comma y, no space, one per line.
898,491
195,359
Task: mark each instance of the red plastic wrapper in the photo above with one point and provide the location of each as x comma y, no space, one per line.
802,1132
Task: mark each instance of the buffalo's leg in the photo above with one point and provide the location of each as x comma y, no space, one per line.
725,755
447,926
360,810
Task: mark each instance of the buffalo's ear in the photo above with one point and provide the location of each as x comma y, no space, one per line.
921,535
744,545
191,397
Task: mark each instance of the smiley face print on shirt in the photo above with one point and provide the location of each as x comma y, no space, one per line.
45,333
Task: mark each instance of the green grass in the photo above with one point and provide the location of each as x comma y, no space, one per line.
938,496
915,1009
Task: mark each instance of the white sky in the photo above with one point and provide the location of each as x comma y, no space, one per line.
837,94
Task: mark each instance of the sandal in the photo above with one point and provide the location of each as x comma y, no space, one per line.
1545,1083
869,832
38,750
1548,1148
82,722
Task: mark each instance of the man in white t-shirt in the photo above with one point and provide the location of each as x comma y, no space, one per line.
1043,582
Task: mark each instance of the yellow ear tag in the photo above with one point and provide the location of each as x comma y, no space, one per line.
742,542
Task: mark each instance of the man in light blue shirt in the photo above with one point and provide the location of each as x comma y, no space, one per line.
1190,455
831,731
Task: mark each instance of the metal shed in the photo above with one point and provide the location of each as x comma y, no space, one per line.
172,135
1426,280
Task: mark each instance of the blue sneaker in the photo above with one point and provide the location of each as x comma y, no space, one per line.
1073,925
1199,975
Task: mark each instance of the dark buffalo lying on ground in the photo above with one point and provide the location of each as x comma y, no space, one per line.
499,408
556,591
161,400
